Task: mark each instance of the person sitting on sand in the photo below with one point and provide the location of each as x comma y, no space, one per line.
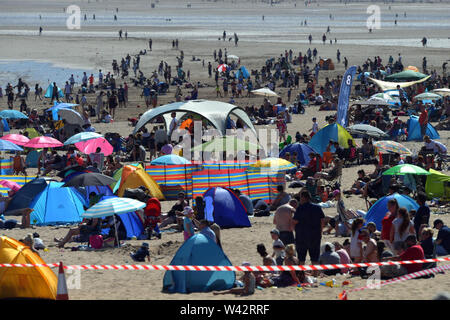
249,281
288,278
177,208
329,256
282,198
11,223
80,233
263,278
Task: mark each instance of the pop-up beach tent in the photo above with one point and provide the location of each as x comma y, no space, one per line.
224,208
49,91
199,250
27,193
414,132
57,205
438,185
379,209
24,283
335,132
133,177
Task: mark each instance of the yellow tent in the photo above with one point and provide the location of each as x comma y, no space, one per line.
26,282
133,177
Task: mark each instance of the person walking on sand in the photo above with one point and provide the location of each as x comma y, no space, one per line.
120,34
40,30
150,44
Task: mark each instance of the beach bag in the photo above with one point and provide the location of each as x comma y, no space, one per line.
96,241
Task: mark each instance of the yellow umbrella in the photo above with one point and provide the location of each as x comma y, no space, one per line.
272,164
26,282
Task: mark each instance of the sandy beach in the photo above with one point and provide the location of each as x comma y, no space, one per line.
95,45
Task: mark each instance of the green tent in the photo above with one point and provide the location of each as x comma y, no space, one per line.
407,75
438,185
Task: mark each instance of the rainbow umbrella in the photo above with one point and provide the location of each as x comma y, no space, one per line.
272,164
388,146
403,169
16,138
43,142
90,146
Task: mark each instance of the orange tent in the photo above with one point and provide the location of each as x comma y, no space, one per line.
133,177
24,282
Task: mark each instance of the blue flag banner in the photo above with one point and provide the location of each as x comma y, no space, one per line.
344,96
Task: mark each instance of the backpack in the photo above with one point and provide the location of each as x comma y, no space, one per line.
96,241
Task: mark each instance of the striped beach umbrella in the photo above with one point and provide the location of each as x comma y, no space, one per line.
388,146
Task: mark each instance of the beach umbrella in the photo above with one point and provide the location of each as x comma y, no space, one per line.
264,92
368,130
82,136
16,139
71,116
302,149
10,184
385,97
6,145
412,68
43,142
272,164
61,105
222,68
169,159
12,114
69,170
445,92
388,146
407,75
90,146
89,179
428,96
228,144
403,169
111,207
232,56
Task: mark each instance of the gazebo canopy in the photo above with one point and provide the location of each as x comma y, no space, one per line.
215,112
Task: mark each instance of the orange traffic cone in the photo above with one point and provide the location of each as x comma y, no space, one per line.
61,293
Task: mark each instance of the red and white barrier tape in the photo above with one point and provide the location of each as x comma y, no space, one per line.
226,268
343,295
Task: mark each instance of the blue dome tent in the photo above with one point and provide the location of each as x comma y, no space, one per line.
56,205
242,70
303,150
199,251
25,195
224,208
414,132
379,209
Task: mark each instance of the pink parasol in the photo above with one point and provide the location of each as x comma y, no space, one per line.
90,146
18,139
10,184
43,142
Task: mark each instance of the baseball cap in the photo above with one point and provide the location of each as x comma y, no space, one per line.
145,244
436,222
275,231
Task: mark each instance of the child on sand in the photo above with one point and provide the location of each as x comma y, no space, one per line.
249,284
188,225
142,253
278,247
